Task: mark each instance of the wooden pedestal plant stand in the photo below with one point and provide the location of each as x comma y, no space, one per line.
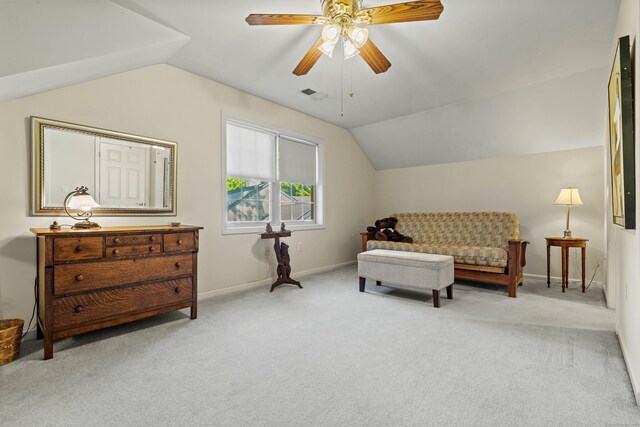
282,255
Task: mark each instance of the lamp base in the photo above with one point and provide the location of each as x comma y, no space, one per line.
85,225
567,234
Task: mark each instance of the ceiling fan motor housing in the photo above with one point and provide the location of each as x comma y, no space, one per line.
341,12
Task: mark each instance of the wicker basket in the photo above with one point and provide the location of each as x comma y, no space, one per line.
10,338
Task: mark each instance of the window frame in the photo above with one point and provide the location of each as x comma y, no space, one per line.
250,227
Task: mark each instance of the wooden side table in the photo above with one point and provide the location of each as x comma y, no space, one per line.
565,244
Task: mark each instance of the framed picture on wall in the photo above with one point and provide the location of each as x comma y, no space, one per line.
623,191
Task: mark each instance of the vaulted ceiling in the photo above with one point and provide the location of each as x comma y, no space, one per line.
478,48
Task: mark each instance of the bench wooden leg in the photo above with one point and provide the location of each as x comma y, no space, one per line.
362,283
450,291
436,298
378,283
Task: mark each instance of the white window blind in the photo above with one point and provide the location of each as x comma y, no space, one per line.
250,153
297,161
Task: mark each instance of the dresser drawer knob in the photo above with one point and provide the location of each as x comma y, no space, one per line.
178,265
179,241
78,308
116,240
151,248
177,290
116,251
79,277
79,248
152,238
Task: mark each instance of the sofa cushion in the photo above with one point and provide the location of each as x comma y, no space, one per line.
480,229
474,255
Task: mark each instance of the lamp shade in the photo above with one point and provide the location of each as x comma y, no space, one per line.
569,197
83,202
327,47
358,36
330,33
349,49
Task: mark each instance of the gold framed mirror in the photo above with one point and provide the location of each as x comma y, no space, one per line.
128,175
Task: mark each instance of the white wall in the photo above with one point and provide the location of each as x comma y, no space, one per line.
623,246
167,103
527,185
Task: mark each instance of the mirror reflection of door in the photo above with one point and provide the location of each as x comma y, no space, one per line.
123,168
121,173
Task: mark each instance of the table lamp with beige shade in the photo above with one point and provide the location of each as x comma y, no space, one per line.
568,197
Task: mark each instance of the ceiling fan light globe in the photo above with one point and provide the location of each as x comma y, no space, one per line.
327,48
358,36
330,33
349,49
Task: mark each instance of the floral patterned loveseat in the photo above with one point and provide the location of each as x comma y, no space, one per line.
485,246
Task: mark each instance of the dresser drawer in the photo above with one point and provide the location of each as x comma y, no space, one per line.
77,248
127,251
133,239
85,276
73,311
179,242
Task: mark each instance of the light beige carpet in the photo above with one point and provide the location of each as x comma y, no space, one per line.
332,356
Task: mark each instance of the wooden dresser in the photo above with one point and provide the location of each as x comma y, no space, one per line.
92,279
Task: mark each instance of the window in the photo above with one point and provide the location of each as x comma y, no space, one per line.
270,176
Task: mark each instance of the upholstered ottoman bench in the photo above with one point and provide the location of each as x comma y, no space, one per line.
411,270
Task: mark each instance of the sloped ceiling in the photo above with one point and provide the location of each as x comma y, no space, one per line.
477,49
50,44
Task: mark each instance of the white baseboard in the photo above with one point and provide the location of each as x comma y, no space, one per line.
268,281
559,279
627,361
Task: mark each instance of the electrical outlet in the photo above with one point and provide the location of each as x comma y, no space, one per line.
299,246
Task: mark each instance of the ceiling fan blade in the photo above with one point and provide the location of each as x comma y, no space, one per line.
425,10
265,19
372,56
309,59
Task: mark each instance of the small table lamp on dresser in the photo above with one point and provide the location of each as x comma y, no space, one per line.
80,201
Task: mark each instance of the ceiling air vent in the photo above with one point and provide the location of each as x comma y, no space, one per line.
316,96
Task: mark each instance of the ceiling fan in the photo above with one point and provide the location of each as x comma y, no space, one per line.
346,18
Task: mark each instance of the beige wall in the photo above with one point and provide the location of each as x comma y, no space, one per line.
623,246
167,103
527,185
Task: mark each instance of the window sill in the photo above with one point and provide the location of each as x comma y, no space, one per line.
261,228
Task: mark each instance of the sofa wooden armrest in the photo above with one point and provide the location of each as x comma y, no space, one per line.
366,236
517,260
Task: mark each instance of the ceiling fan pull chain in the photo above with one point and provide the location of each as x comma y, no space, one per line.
342,82
350,81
